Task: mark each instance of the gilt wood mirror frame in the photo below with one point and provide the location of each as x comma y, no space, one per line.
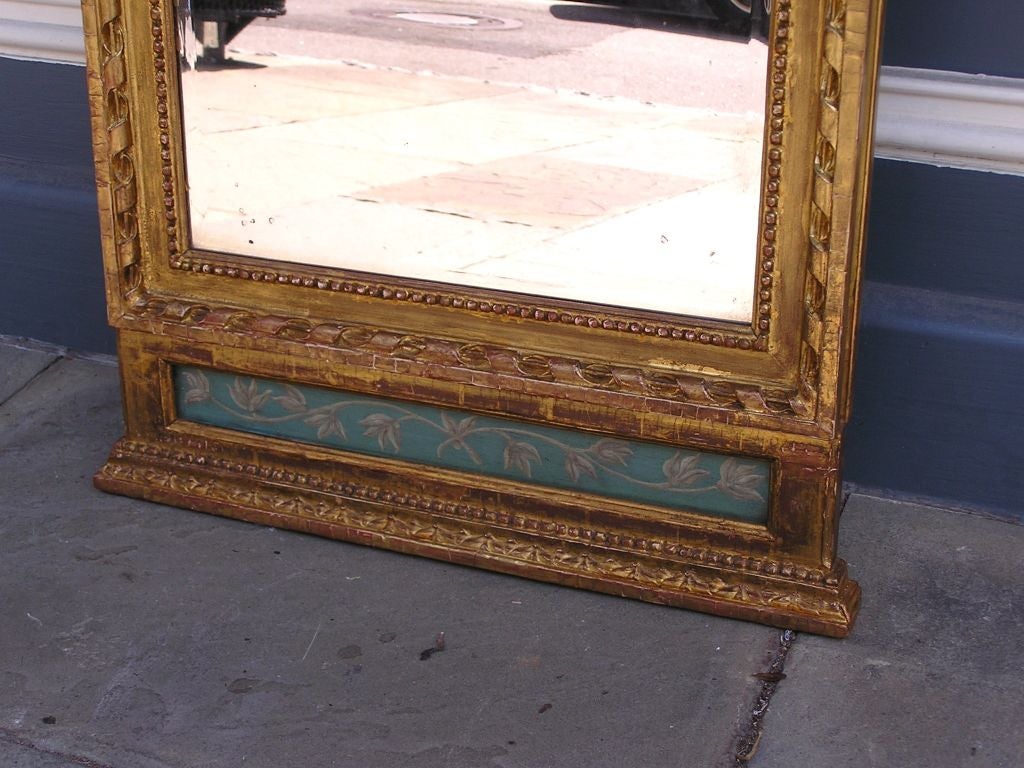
559,435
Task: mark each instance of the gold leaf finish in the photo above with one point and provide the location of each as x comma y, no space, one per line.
776,389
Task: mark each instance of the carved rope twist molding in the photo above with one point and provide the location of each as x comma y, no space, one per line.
819,244
695,390
429,529
191,453
116,110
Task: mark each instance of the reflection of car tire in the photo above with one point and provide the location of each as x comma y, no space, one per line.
211,38
737,13
765,21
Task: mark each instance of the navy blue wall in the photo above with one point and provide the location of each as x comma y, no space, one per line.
51,280
978,37
937,409
937,395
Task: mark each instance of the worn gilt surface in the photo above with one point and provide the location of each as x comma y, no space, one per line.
776,390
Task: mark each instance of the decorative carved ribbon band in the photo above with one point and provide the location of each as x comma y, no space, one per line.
123,190
816,277
221,323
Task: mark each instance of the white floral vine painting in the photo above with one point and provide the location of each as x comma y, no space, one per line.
726,486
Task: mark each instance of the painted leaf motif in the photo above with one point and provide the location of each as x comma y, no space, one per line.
248,396
457,440
292,400
457,429
577,465
198,387
682,470
327,424
460,445
519,454
448,425
740,480
612,451
384,428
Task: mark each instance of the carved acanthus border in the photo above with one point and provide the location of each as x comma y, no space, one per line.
822,603
488,358
531,539
610,320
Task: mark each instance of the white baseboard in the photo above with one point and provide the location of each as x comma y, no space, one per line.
948,119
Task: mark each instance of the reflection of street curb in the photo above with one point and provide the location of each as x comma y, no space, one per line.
467,20
269,59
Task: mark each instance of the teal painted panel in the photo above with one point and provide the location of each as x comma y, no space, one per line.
650,473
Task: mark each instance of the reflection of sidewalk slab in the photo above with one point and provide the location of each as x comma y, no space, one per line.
303,160
532,190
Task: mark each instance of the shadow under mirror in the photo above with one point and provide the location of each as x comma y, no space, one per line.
602,153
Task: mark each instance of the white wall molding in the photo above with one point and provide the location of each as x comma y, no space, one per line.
947,119
951,119
42,30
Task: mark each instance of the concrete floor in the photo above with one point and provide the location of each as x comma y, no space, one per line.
138,636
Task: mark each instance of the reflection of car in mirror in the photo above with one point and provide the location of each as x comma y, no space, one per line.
218,22
757,13
742,18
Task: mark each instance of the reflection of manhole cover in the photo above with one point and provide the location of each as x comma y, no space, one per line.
443,19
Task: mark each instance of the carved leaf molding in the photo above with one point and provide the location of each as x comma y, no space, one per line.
450,534
224,323
177,452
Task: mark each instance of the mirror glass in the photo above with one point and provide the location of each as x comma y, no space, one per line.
608,154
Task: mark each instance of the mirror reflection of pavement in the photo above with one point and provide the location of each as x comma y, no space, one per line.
683,58
481,181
